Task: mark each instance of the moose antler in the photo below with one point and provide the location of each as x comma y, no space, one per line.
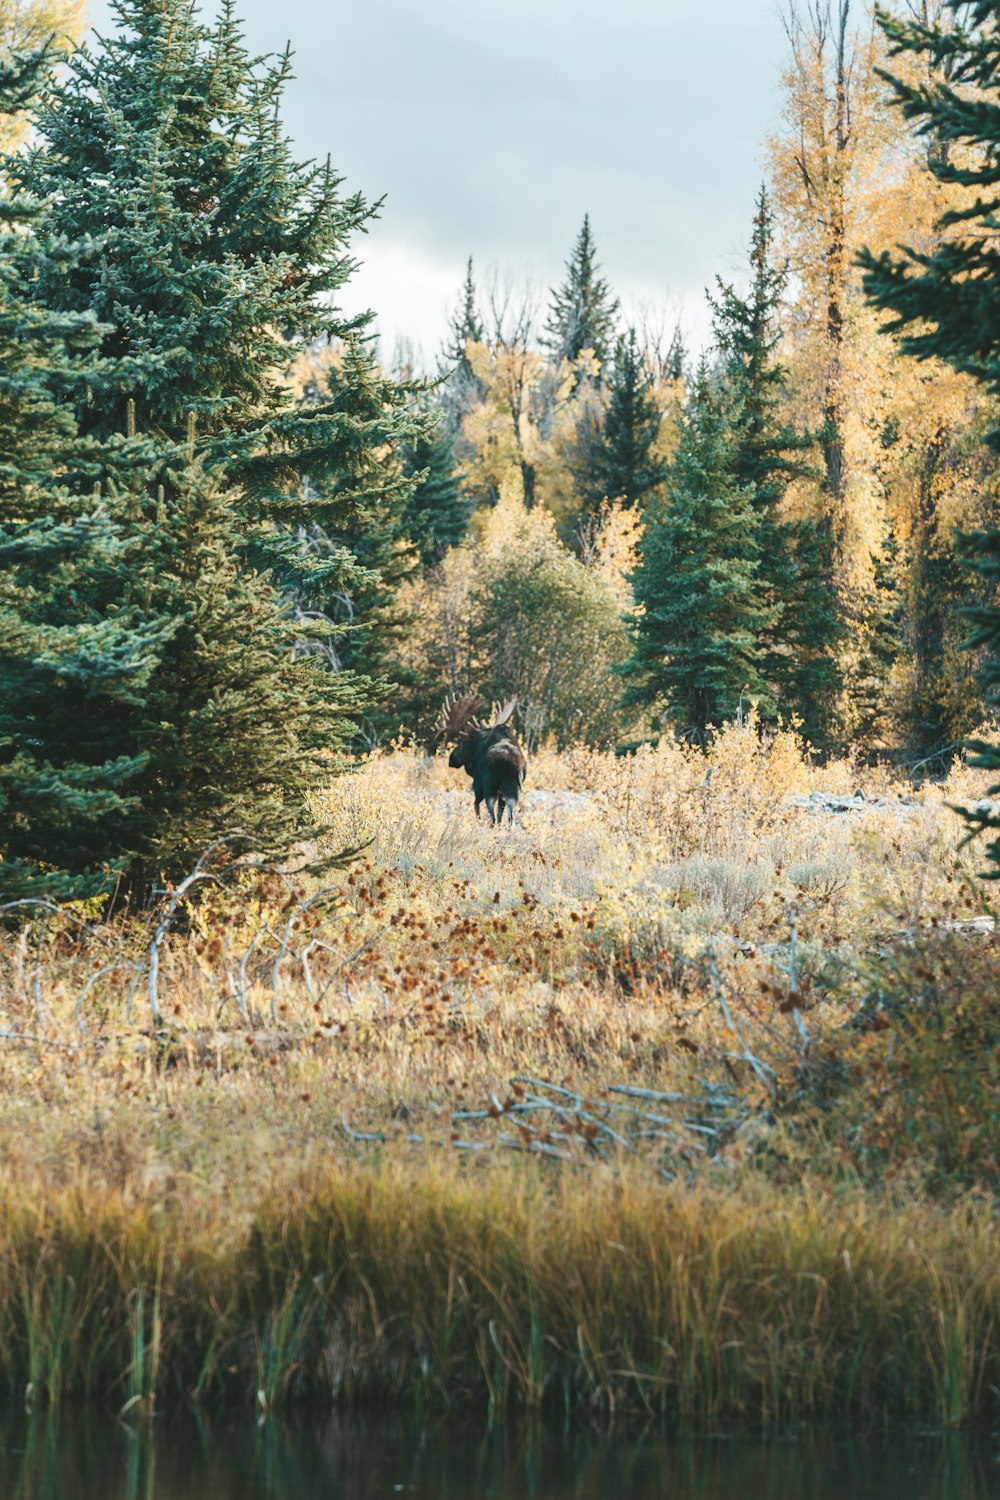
502,716
456,716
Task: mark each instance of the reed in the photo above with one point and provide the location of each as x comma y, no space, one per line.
511,1288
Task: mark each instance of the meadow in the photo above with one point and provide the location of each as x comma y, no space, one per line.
680,1096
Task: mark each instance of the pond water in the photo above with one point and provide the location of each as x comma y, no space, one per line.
72,1458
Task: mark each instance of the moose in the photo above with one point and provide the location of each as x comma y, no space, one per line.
491,756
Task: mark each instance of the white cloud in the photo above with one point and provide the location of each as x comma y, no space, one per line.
410,291
492,127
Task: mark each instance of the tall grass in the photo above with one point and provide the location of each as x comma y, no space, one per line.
508,1290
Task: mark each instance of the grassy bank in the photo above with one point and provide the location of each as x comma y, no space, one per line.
681,1097
504,1288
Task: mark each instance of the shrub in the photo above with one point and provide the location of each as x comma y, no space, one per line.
514,613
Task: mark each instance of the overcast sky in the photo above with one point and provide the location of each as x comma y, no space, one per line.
492,126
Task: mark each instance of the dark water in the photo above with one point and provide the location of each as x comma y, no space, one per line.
68,1458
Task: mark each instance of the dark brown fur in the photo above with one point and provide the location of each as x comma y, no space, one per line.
497,765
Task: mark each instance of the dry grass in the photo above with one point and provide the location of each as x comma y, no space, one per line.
319,1172
502,1287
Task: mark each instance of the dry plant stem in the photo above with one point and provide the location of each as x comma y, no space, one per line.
44,909
792,986
763,1071
199,876
115,968
35,1041
37,985
241,972
302,909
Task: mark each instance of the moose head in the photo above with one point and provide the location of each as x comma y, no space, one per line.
490,755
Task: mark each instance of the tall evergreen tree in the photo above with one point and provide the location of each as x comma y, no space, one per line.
461,387
368,621
748,334
799,645
802,656
946,301
204,251
73,652
702,611
624,462
236,725
437,513
465,326
875,644
218,257
583,309
676,363
151,698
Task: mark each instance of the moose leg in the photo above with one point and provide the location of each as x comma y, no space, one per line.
491,803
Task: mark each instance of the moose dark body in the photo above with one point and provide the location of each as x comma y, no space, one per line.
491,756
497,765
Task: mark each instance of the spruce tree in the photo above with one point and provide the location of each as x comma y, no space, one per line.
799,646
203,253
697,584
625,464
874,647
236,726
748,334
461,388
802,654
437,513
465,326
218,258
676,363
369,623
74,652
945,301
583,310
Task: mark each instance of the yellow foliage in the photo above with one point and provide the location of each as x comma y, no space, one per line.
307,375
841,182
901,455
612,548
519,436
502,432
514,613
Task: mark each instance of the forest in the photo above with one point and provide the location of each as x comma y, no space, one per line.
313,1086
